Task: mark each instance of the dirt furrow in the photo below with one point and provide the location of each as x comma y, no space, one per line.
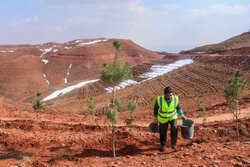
142,101
94,91
176,87
145,101
153,90
189,84
160,81
101,110
99,88
198,81
206,75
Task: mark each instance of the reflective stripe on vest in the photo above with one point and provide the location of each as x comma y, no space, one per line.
170,114
167,112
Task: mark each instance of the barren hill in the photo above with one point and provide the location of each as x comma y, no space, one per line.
236,45
26,69
65,134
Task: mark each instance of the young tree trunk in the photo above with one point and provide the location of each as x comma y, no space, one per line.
113,143
237,126
37,117
113,101
237,121
113,126
237,129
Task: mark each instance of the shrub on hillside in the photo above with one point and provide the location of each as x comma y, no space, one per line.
232,93
38,105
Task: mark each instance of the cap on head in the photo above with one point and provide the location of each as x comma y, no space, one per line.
168,90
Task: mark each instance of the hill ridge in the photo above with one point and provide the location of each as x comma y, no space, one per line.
235,43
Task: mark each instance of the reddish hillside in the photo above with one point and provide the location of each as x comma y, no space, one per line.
236,45
26,69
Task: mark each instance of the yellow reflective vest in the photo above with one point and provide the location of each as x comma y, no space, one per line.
167,113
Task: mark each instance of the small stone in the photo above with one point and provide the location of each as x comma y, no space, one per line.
180,157
194,165
186,154
238,157
144,163
245,161
18,165
210,156
239,164
217,161
152,159
195,144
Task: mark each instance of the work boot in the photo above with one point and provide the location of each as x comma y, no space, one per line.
173,146
163,148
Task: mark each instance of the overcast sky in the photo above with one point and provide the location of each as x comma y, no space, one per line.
163,25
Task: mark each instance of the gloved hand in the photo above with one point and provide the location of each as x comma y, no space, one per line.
183,118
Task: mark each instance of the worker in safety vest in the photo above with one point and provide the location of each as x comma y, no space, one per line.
165,112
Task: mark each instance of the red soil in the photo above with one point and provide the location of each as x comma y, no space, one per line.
65,139
66,135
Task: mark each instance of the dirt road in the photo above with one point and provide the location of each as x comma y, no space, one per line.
245,113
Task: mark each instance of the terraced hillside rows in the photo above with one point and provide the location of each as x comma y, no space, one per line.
203,80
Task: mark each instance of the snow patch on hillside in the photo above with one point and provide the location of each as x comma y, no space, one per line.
66,79
155,71
199,52
4,51
68,89
122,85
45,61
77,41
46,51
92,42
46,79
